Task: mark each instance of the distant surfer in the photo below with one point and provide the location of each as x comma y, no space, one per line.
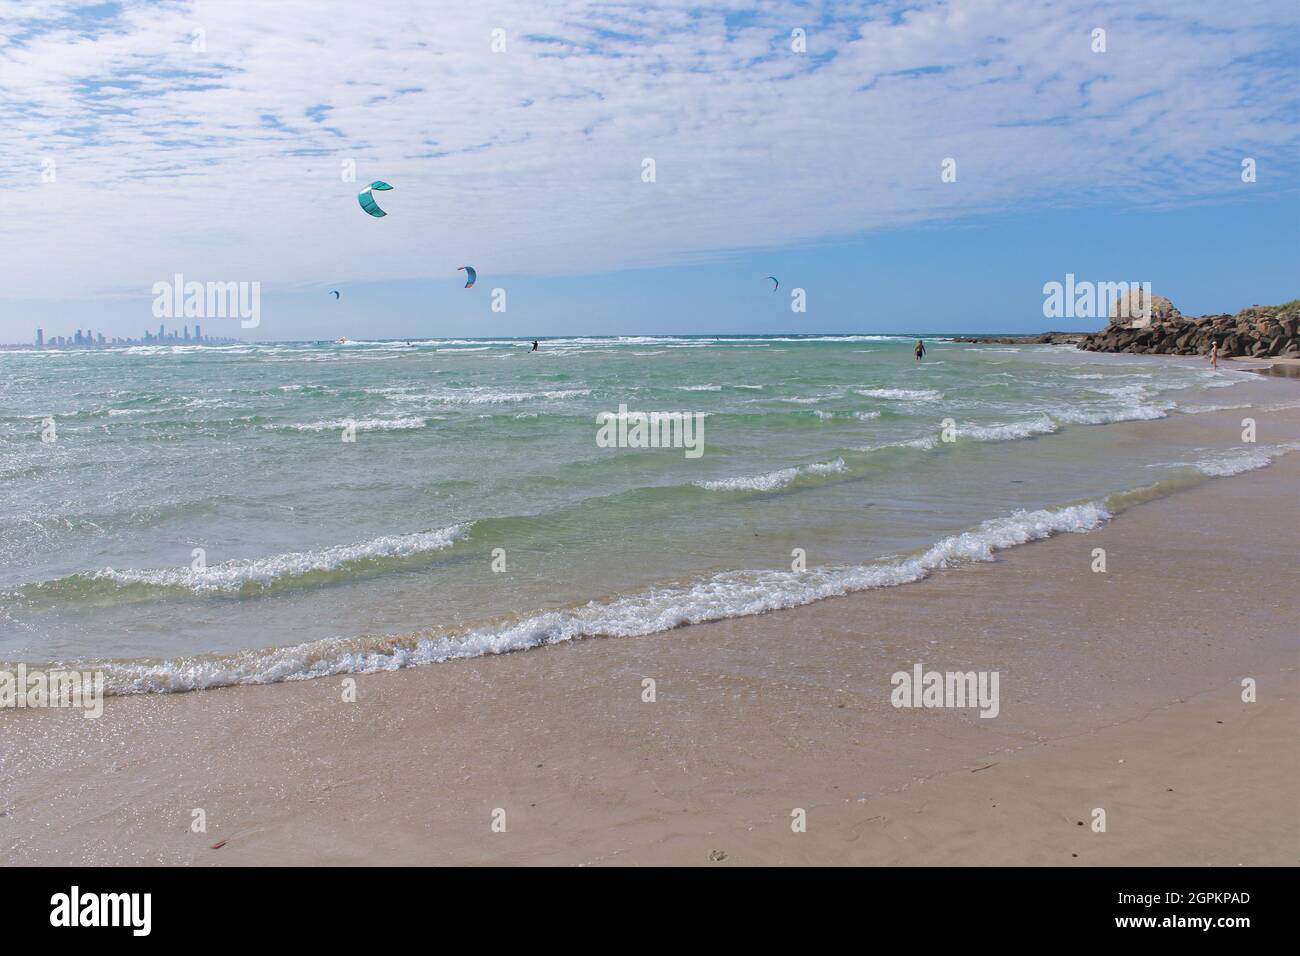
920,350
534,345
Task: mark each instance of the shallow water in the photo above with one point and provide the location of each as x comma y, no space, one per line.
320,555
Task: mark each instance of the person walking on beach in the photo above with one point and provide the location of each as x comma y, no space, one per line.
920,349
1214,355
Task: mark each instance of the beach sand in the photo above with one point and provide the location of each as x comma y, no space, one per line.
1119,690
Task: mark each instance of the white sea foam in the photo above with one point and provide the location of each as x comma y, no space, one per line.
1105,416
765,482
481,396
825,468
906,394
361,424
700,388
1133,390
1010,431
491,397
772,480
924,443
727,595
1202,409
1225,465
1237,462
233,575
825,338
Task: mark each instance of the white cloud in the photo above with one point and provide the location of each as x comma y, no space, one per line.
215,164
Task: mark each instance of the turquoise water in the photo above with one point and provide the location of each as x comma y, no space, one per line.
323,556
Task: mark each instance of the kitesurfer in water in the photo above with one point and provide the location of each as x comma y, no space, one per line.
534,345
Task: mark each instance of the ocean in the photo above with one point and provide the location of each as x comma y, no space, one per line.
186,517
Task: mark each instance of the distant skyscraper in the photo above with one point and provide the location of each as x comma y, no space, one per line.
40,338
198,333
161,334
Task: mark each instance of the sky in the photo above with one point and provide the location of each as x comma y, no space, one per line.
226,142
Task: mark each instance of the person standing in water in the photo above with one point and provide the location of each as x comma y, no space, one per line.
920,349
1214,355
534,345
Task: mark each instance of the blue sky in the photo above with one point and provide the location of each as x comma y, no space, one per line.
213,139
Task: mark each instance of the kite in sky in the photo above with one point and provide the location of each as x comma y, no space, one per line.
367,199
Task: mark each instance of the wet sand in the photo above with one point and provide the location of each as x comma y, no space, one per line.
1118,690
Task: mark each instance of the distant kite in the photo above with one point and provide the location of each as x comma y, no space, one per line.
367,199
776,284
470,275
335,293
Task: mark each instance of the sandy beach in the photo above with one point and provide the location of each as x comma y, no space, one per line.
649,435
1119,690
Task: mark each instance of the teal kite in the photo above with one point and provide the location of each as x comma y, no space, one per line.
367,199
471,276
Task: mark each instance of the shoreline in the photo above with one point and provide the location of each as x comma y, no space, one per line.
313,660
1285,367
754,717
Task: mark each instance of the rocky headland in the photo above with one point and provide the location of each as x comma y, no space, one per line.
1260,332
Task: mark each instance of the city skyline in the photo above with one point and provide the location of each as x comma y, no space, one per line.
92,339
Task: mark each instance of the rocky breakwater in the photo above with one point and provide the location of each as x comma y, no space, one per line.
1041,338
1261,331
